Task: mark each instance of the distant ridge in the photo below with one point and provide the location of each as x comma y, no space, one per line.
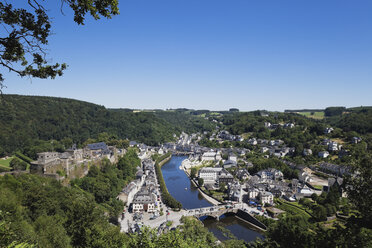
303,110
24,120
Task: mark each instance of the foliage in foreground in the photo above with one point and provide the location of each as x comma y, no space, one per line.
40,212
106,181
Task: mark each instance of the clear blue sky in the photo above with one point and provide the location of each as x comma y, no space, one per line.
214,54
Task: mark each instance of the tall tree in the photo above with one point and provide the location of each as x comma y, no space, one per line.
25,33
359,190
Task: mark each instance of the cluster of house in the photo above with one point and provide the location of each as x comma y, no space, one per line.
275,148
267,184
201,153
145,149
233,157
275,126
186,139
142,194
332,146
261,187
305,174
186,143
225,135
334,169
52,163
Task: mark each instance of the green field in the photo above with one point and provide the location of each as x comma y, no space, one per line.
5,162
293,208
315,115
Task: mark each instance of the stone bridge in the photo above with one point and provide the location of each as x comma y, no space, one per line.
213,211
217,211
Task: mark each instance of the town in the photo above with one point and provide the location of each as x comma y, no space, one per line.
220,174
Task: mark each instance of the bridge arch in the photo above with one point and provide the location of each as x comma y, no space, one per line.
217,213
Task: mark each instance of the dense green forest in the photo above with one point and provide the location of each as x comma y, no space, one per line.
40,211
106,181
29,121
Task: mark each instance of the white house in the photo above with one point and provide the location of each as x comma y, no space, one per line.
356,140
252,141
306,191
209,156
128,193
264,149
252,193
266,197
209,174
270,173
328,130
323,154
233,157
307,152
144,201
333,146
305,177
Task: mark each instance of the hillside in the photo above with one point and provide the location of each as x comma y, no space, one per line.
26,119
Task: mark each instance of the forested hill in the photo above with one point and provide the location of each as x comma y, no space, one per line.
26,119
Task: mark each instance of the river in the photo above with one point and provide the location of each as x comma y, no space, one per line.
180,187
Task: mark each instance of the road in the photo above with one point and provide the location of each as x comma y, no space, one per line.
175,216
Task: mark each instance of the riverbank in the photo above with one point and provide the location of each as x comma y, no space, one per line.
165,160
207,197
166,198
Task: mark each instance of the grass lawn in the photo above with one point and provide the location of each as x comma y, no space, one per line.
5,162
319,187
293,208
217,195
334,157
246,135
316,115
301,206
340,141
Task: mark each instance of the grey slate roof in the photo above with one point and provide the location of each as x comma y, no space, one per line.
98,146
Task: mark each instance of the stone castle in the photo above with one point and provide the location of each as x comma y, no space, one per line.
61,165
